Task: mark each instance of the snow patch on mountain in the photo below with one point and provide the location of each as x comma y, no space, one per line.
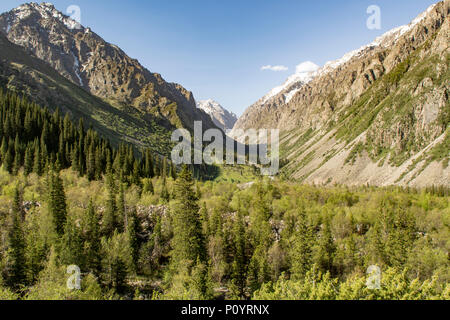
223,118
307,71
304,73
46,11
76,68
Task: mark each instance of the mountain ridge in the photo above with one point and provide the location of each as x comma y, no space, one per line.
382,104
99,67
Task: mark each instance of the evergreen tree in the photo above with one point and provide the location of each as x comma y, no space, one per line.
326,249
110,216
92,237
301,259
239,262
165,196
132,234
16,253
28,162
57,202
122,218
188,240
37,165
72,252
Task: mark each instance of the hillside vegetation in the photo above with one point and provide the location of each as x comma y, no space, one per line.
177,239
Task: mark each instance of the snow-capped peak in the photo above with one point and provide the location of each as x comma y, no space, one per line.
210,106
46,11
305,72
220,116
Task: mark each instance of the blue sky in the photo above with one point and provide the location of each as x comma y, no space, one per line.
216,48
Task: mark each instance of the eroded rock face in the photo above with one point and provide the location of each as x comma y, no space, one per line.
391,96
99,67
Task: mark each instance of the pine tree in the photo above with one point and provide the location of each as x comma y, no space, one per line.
164,168
239,266
165,196
3,149
301,259
200,282
132,234
72,252
92,236
122,218
16,252
110,219
173,171
17,155
9,161
188,240
57,202
37,165
28,162
326,249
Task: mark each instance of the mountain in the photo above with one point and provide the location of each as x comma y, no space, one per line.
379,115
26,74
101,69
222,118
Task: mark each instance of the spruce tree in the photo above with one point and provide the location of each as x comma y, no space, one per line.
132,234
239,266
28,162
165,196
92,236
122,218
326,249
188,240
57,202
16,253
72,252
109,218
301,258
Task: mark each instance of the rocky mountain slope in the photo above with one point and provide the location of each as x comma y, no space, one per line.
222,118
98,67
377,116
24,73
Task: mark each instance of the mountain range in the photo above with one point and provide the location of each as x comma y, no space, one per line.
378,116
115,92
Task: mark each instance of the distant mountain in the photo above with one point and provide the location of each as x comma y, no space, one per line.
100,68
379,115
223,118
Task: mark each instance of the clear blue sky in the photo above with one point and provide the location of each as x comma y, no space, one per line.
216,48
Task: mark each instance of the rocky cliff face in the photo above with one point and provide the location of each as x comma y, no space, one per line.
379,115
221,117
102,69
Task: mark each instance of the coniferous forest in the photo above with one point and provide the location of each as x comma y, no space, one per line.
138,227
